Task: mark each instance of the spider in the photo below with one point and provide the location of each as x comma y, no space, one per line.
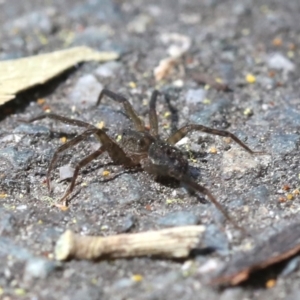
139,148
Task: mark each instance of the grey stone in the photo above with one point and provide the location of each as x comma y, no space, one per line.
178,218
105,10
18,158
204,116
32,129
39,268
9,247
86,91
279,62
66,172
130,191
260,193
108,69
216,239
195,96
284,143
7,222
96,194
32,22
91,36
291,266
127,223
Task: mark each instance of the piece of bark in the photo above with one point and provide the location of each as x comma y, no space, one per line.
278,247
170,243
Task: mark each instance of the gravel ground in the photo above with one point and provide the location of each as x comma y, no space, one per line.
251,45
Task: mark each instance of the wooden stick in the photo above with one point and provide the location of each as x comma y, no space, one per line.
171,243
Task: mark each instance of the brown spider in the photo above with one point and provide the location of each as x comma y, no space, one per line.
141,148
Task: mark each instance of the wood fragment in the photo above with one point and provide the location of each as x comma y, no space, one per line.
170,243
20,74
278,247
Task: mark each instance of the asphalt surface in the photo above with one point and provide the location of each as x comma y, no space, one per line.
252,46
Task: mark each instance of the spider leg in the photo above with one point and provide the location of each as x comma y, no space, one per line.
79,166
152,114
167,171
59,118
182,132
114,150
64,147
138,123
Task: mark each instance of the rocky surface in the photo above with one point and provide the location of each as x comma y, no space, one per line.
250,45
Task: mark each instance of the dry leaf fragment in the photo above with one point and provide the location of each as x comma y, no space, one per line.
164,68
20,74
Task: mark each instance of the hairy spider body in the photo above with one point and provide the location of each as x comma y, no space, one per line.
139,148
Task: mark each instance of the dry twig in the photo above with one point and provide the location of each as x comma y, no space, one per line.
172,243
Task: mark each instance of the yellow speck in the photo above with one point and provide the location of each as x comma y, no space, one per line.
270,283
119,137
277,41
248,112
290,196
50,255
245,31
40,222
63,139
137,277
166,126
3,195
74,221
227,140
213,150
94,281
41,101
264,9
296,192
43,39
48,110
206,101
207,87
291,54
219,80
21,196
100,125
104,228
167,114
174,200
1,291
132,84
84,184
105,173
20,292
250,78
63,207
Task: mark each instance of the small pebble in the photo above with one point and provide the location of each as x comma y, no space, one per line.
278,61
66,172
178,218
195,96
39,268
86,91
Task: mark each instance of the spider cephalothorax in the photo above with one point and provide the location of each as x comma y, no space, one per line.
139,147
